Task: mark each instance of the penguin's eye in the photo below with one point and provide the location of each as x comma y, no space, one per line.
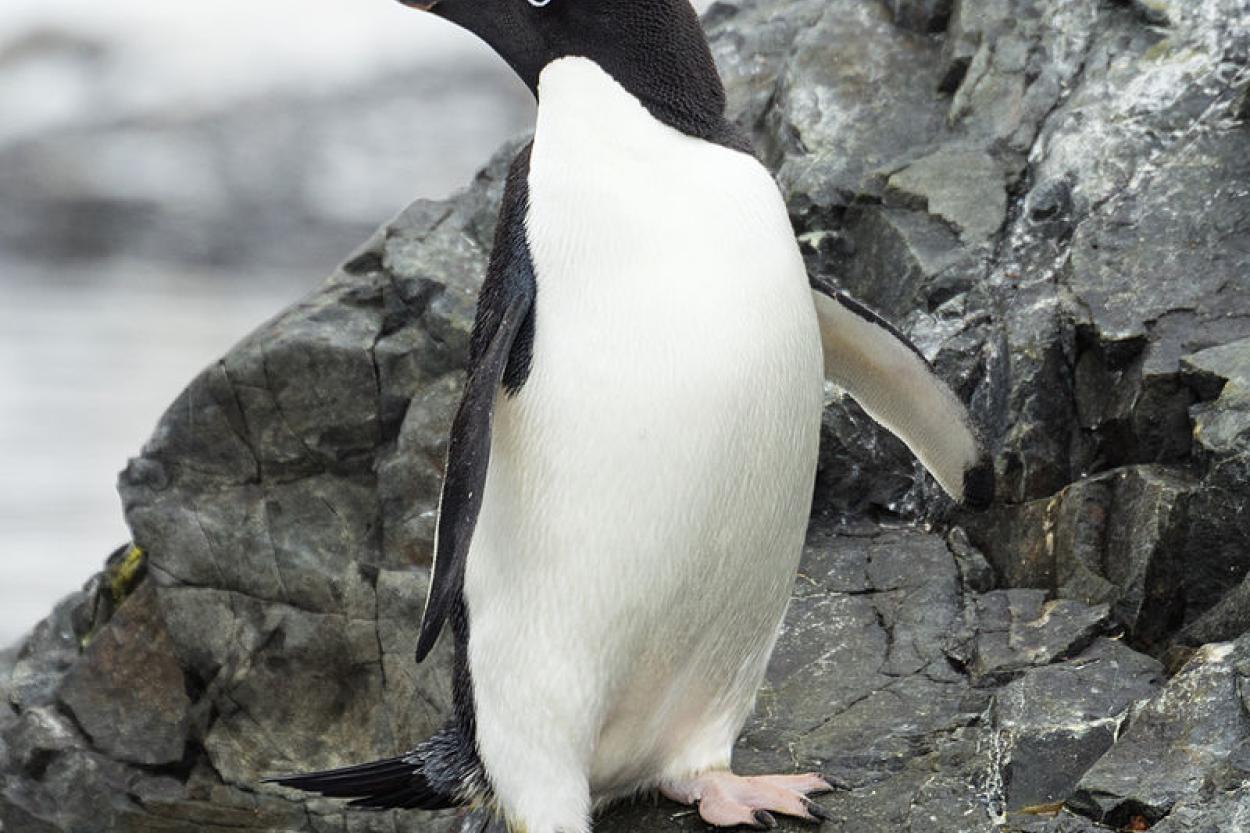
538,4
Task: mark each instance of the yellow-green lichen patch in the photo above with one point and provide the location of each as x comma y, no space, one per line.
125,574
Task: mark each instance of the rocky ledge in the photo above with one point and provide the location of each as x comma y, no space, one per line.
1051,197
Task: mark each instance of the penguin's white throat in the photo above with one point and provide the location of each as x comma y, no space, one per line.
578,98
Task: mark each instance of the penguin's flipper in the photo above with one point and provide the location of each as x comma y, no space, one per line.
499,355
892,381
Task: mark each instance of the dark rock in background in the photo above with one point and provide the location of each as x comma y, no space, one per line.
1051,198
921,15
1115,537
276,182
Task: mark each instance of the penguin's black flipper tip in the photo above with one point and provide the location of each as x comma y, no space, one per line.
979,484
379,785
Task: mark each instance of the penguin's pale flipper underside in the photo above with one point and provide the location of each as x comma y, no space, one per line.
894,384
499,355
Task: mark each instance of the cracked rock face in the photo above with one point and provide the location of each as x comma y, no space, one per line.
1052,198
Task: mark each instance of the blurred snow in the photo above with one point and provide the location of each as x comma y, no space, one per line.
64,57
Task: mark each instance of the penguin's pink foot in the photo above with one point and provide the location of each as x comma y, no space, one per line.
728,800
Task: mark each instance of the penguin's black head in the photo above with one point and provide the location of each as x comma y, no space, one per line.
655,49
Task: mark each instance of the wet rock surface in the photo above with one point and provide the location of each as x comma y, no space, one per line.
1051,198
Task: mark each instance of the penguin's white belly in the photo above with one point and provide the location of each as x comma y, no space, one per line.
649,486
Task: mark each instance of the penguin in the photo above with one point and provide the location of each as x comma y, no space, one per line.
630,470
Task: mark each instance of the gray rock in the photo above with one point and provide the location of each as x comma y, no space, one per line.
902,257
1221,430
127,692
35,668
835,121
1115,538
975,572
1178,745
965,189
1228,617
1049,818
32,740
1058,720
1017,629
1008,63
1141,413
1080,308
1225,811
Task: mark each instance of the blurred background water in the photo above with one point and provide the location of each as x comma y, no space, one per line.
171,175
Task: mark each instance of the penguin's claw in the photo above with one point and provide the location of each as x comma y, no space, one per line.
727,800
816,811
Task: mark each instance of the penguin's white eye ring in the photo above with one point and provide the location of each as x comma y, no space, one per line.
538,4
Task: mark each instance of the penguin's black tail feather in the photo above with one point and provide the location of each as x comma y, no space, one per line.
380,785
